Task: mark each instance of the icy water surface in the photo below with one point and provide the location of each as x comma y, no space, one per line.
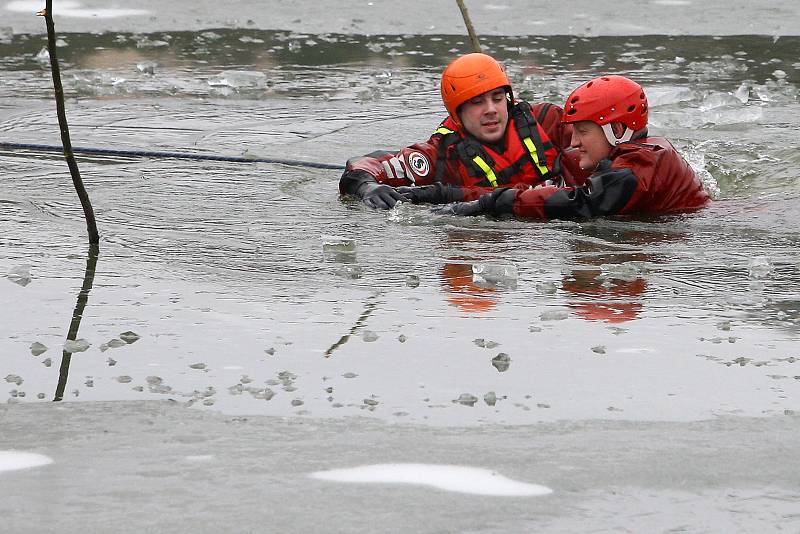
234,291
644,370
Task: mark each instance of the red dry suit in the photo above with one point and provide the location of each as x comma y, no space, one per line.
534,138
646,176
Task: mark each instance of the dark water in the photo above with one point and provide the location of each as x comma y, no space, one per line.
224,267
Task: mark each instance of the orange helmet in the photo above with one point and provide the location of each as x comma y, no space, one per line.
469,76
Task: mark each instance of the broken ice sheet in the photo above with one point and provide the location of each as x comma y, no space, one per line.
20,275
239,79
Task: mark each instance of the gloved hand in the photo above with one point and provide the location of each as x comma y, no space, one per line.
431,194
497,202
378,196
460,208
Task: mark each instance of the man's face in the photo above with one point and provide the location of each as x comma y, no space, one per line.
590,140
486,116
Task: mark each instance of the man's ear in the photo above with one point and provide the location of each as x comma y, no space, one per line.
618,128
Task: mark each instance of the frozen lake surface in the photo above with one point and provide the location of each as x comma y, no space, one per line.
243,327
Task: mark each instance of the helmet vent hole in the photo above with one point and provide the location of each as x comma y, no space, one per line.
590,84
572,111
574,100
631,109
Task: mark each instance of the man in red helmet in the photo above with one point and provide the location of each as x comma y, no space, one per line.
489,140
631,172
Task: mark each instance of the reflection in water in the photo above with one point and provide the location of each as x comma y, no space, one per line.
462,291
369,307
613,287
603,299
77,315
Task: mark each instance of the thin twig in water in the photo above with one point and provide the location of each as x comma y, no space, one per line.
473,37
91,224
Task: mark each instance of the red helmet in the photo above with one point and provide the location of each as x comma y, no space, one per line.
469,76
608,99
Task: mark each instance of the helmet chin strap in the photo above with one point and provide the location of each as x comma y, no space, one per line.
613,139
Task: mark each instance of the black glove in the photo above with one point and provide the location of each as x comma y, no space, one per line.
460,208
378,196
363,185
432,194
497,202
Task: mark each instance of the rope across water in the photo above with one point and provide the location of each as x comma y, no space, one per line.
171,155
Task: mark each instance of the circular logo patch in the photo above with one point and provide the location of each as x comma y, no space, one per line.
419,164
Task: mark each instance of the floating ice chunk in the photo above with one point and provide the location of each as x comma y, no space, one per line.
728,116
716,99
147,67
38,348
467,399
369,336
333,243
14,379
501,362
742,94
495,274
20,275
146,42
14,460
43,57
6,34
129,337
664,96
456,478
553,315
239,79
351,272
626,272
760,267
76,345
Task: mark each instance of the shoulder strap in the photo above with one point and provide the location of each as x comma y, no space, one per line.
528,131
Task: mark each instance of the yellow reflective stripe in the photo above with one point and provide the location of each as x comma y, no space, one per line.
487,170
444,131
535,155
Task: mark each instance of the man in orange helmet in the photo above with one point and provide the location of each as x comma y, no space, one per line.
489,140
631,172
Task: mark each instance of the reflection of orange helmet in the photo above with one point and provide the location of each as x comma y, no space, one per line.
463,292
469,76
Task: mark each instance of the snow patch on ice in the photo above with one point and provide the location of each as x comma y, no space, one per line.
460,479
15,460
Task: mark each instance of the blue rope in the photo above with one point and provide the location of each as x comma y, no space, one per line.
173,155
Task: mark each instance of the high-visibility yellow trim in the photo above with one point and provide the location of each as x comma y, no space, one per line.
486,169
535,155
444,131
